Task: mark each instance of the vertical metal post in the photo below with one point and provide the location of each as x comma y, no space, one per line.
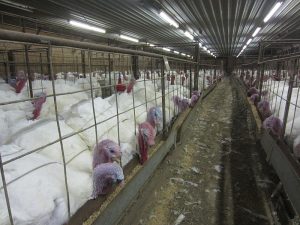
289,95
92,93
117,107
77,66
109,74
28,71
83,63
196,72
11,62
50,68
6,192
135,66
163,100
7,70
41,63
262,72
203,80
191,84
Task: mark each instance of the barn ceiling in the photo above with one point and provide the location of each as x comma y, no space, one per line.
223,26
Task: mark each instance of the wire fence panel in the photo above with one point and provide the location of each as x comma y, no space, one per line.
58,103
278,97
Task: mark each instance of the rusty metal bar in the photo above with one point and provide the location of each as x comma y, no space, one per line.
6,192
28,71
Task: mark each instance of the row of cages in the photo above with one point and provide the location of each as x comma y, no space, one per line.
72,119
274,88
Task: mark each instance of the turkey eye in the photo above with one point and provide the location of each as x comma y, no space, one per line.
112,151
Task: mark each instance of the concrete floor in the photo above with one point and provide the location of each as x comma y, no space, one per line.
217,175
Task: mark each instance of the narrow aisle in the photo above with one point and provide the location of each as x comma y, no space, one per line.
215,176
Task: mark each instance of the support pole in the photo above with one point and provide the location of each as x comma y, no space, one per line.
28,71
196,72
6,192
289,95
50,68
83,63
135,66
163,99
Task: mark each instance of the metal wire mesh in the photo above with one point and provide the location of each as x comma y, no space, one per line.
86,101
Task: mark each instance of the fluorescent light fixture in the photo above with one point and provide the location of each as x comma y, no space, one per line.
168,19
245,46
183,54
204,48
176,52
248,42
166,49
188,55
151,45
86,26
128,38
200,44
208,51
188,34
273,10
256,31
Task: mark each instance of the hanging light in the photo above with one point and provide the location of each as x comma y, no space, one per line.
166,49
272,11
248,42
176,52
168,19
256,31
128,38
188,34
86,26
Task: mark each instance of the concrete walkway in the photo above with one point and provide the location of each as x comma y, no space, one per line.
217,175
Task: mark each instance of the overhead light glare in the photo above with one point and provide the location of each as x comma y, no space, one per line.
86,26
128,38
273,10
168,19
248,42
256,31
188,34
166,49
245,46
176,52
200,44
183,54
204,48
151,45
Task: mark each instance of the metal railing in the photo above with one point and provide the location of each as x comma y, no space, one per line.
79,79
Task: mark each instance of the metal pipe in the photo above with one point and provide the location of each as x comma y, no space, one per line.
15,36
92,94
289,95
6,192
280,59
28,71
163,97
49,58
191,84
196,73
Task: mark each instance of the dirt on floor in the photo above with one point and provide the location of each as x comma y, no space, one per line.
217,174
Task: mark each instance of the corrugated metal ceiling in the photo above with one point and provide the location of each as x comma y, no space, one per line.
223,26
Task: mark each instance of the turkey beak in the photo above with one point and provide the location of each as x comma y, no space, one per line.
117,159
